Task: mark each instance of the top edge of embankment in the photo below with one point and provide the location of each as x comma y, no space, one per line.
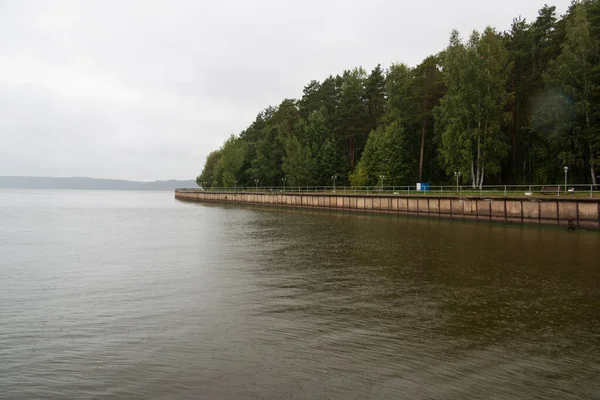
403,196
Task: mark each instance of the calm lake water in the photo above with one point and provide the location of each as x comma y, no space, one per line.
137,295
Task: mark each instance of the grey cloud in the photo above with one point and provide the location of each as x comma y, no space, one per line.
146,89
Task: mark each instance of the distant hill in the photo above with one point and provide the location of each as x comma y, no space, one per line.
33,182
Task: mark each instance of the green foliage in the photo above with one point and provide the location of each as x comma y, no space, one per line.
229,169
472,111
511,107
386,153
428,89
298,163
205,179
398,89
360,176
330,161
374,97
352,128
573,72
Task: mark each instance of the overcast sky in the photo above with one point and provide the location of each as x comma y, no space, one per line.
144,90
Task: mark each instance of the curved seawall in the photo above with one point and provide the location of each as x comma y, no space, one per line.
562,211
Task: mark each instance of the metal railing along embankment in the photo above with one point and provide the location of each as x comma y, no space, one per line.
577,190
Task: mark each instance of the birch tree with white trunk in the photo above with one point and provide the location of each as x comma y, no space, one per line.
471,114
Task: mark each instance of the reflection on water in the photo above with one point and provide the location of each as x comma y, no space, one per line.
137,295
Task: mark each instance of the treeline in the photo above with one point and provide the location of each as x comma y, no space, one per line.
498,107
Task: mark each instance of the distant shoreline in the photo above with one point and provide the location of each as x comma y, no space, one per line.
84,183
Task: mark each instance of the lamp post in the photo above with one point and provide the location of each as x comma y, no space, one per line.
382,177
333,177
457,175
256,183
283,180
566,171
235,185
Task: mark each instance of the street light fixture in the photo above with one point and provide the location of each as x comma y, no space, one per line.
235,185
334,177
382,177
566,171
283,180
256,183
457,175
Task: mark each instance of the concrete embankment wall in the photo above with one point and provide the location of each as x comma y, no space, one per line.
573,212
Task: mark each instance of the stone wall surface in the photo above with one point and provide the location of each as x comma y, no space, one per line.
578,212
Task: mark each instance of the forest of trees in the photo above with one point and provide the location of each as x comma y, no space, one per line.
499,107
